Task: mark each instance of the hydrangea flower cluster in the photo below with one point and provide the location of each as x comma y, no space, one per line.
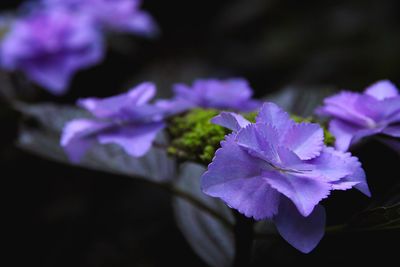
358,115
230,94
58,38
131,122
274,168
127,120
51,46
281,170
116,15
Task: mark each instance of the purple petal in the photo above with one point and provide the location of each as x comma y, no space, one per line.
344,185
143,23
341,169
305,193
78,136
135,140
174,106
53,75
393,131
257,139
115,105
230,120
390,109
272,114
303,233
334,165
305,139
184,92
233,176
343,132
347,134
351,107
382,90
223,92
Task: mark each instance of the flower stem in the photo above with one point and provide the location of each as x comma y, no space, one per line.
244,237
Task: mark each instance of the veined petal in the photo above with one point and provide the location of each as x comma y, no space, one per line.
343,185
305,193
257,139
351,107
334,165
230,162
233,176
305,139
230,120
272,114
136,140
357,180
382,90
303,233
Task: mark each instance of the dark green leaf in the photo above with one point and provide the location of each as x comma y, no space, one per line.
209,236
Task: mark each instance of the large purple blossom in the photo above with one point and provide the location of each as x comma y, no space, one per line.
358,115
281,170
50,47
231,94
115,15
127,120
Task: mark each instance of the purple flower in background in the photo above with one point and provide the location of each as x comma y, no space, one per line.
281,170
49,47
232,94
127,120
358,115
115,15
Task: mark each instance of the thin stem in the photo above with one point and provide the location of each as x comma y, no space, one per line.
244,236
339,228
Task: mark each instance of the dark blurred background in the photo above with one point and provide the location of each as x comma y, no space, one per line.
67,216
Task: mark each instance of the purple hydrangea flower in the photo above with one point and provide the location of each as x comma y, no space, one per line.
231,94
278,169
115,15
358,115
127,120
50,47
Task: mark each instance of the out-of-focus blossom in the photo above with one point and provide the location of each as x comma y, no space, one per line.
358,115
50,46
232,94
281,170
127,120
113,15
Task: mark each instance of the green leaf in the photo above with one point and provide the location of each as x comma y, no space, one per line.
381,217
210,236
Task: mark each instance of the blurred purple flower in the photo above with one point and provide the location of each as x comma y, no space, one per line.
115,15
358,115
50,47
281,170
127,120
231,94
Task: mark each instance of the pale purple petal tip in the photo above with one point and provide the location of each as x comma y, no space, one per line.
78,136
230,120
382,90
